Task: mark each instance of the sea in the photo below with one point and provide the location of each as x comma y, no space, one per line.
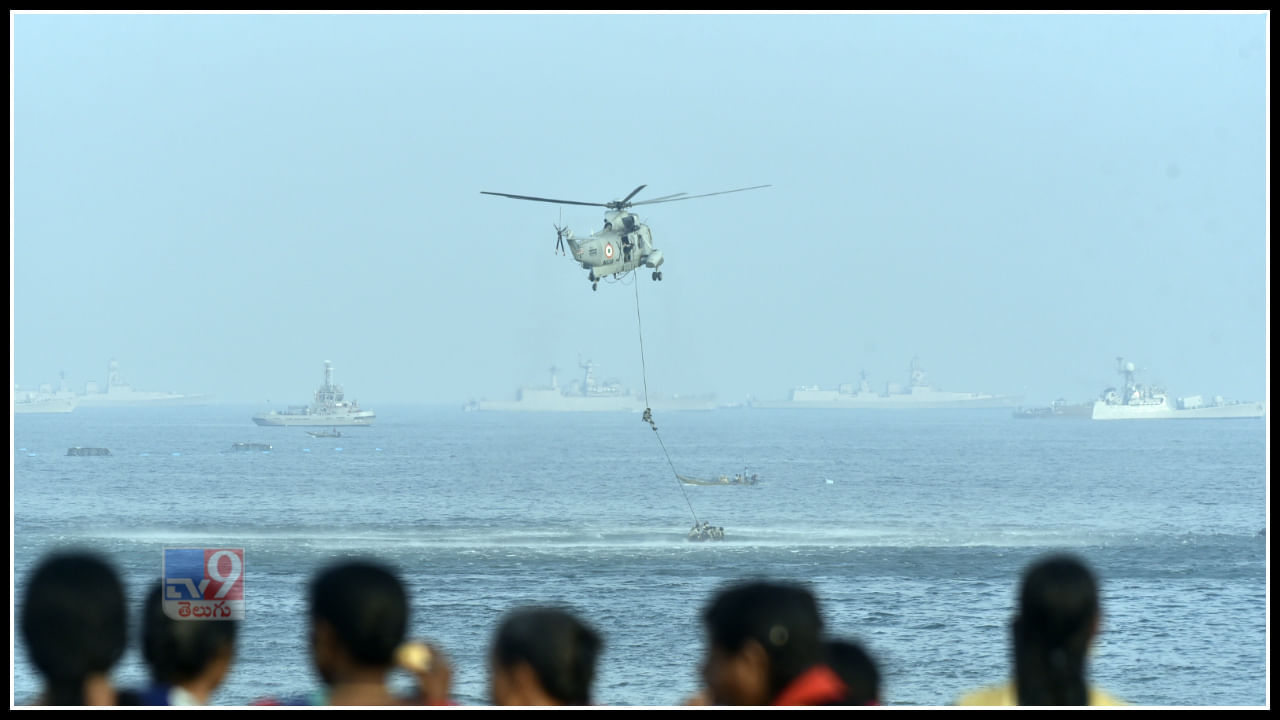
911,527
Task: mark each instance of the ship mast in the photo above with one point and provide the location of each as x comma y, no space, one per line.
1126,371
328,394
917,373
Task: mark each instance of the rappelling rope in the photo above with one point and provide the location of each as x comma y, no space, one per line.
648,414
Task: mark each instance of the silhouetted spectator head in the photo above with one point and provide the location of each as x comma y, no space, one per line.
359,615
1057,619
858,671
763,635
74,624
543,656
192,654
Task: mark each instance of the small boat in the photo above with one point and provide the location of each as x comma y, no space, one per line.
84,451
250,447
325,433
738,479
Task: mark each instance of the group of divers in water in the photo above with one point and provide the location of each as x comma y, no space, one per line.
705,531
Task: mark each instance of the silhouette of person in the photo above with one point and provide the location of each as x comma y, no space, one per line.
74,625
188,659
543,656
1055,623
766,648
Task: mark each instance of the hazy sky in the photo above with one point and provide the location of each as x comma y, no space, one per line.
223,202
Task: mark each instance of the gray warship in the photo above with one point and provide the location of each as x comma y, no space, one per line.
328,409
1138,401
119,393
589,394
27,402
918,394
1060,408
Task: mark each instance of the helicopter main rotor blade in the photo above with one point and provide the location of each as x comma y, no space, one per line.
627,199
540,199
690,197
661,199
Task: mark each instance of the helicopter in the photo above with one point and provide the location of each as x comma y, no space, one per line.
624,243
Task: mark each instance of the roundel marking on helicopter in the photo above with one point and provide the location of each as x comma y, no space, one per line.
608,251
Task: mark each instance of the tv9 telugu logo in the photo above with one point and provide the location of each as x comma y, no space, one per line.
204,583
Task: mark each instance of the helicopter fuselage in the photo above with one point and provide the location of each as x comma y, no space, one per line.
622,245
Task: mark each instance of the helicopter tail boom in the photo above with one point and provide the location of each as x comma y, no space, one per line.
574,248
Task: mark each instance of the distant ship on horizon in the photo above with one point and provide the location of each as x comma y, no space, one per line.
590,395
1059,408
32,402
118,393
918,394
1138,401
327,409
121,394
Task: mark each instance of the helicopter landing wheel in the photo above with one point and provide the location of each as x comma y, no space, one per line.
654,276
657,276
594,286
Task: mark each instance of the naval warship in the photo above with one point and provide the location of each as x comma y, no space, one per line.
1138,401
1059,408
30,402
328,409
918,394
590,395
119,393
